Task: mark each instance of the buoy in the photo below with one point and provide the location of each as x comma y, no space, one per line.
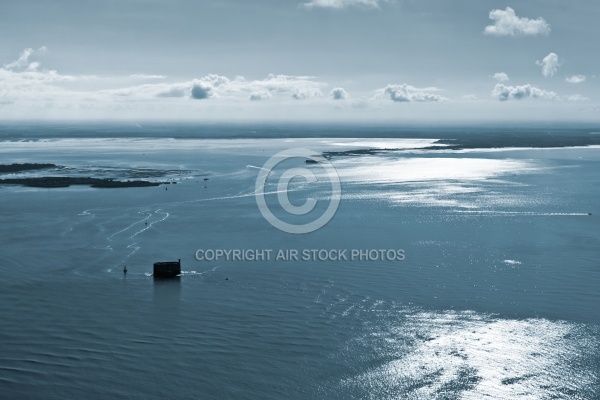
125,269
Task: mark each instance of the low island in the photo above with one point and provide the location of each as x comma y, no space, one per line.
12,168
65,181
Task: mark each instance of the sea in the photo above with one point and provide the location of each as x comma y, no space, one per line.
385,262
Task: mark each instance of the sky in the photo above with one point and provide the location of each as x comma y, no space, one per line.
300,60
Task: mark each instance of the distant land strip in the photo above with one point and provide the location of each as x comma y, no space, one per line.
4,168
65,181
482,142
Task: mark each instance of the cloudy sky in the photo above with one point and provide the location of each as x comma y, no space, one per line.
338,60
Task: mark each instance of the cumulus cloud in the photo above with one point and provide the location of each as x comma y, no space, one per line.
215,80
406,93
503,92
32,90
549,65
338,4
24,77
338,93
507,23
500,77
296,87
575,79
201,90
208,85
147,76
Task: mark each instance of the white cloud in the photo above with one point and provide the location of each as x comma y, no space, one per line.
500,77
215,86
32,91
506,23
338,93
24,79
33,66
549,65
23,62
577,97
25,72
575,79
338,4
406,93
35,77
503,92
147,76
215,80
296,87
208,86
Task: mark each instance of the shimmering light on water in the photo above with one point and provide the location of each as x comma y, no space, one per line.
381,170
473,356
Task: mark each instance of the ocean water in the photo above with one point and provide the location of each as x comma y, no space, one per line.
496,295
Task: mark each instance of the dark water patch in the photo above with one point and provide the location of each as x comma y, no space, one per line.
465,381
517,379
